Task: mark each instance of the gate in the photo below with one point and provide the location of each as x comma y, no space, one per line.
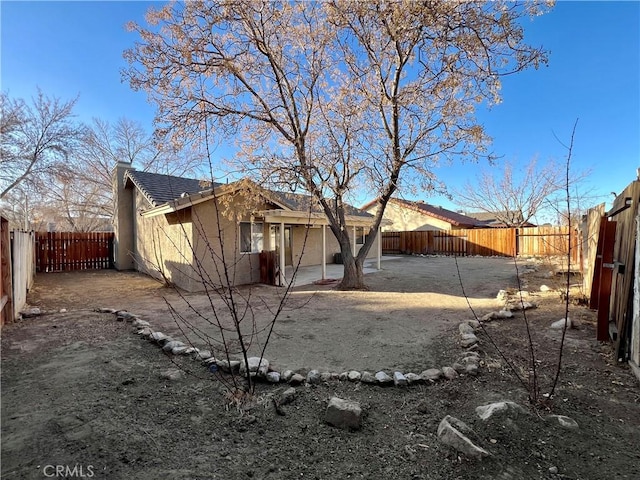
68,251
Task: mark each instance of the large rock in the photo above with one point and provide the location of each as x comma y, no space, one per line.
167,347
124,315
254,365
413,378
485,412
559,325
344,414
145,332
383,378
313,377
473,323
368,377
520,305
273,377
453,432
31,312
286,397
468,339
471,369
468,359
106,310
449,373
140,323
497,315
399,380
157,337
458,367
465,328
172,374
203,355
228,366
179,350
563,421
431,374
354,376
296,379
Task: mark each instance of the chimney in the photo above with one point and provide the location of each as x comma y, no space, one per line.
123,218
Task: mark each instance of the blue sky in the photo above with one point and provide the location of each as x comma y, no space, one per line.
71,48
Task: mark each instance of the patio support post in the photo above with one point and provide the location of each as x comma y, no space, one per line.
379,245
282,256
324,252
354,241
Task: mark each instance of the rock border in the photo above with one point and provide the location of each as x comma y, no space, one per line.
467,364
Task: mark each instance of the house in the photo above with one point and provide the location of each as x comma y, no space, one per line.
496,219
405,215
185,230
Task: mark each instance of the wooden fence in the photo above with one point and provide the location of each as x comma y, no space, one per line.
6,284
17,270
508,242
23,267
67,251
615,291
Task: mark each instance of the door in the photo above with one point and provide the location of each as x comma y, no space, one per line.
288,241
603,276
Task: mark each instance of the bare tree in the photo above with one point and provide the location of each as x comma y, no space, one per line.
336,96
83,190
36,138
515,199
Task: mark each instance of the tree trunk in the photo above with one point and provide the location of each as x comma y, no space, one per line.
353,276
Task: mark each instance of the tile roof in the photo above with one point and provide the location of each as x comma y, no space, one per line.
160,189
300,203
454,218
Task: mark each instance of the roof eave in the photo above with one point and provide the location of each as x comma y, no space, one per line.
179,204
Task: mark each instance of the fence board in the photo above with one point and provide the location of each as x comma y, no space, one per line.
538,241
67,251
22,266
6,290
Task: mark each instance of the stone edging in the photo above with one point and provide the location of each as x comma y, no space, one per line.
467,364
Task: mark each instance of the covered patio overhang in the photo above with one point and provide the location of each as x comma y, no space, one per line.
316,220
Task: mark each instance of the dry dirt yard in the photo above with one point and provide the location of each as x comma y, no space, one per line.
84,397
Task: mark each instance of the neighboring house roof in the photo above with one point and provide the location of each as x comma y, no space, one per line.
160,189
493,219
163,189
454,218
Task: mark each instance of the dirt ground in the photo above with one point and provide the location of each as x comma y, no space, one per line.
84,395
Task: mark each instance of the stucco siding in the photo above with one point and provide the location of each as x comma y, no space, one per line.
213,244
162,247
405,219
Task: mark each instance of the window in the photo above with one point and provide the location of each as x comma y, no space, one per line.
251,237
360,236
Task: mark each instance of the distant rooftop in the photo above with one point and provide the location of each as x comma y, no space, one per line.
454,218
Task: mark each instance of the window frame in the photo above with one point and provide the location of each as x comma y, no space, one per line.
256,237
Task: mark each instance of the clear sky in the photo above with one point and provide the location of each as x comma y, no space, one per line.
75,48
